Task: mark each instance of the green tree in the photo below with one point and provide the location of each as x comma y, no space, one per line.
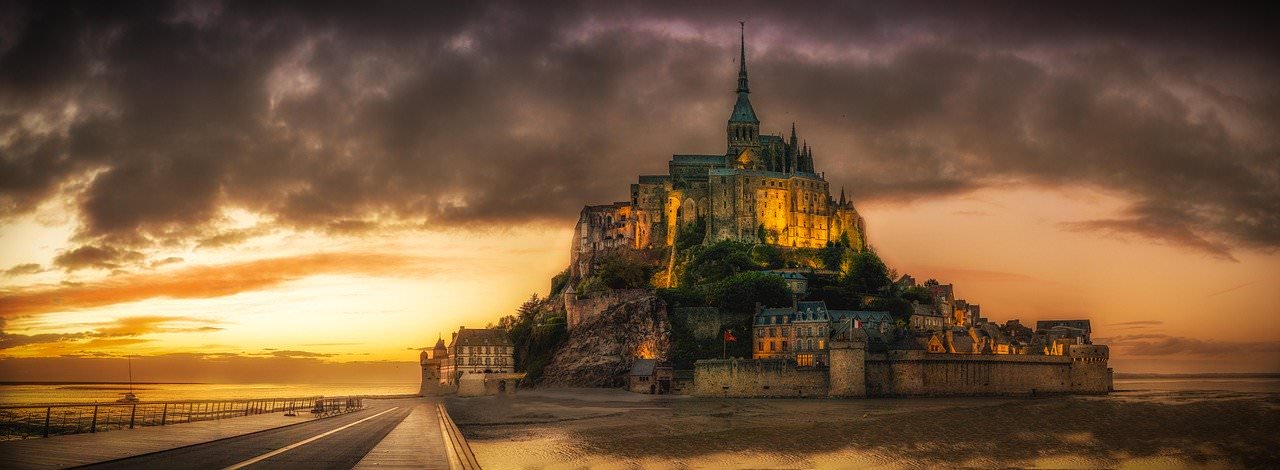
833,256
767,256
691,234
625,269
837,297
917,294
708,264
867,273
900,309
738,294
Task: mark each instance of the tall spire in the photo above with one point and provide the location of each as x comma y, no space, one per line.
742,58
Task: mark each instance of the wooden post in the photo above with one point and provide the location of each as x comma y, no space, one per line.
133,413
164,413
246,407
47,411
93,425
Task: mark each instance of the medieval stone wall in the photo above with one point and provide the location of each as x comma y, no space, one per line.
912,373
579,310
743,378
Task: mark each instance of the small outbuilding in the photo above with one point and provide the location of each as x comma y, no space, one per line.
648,376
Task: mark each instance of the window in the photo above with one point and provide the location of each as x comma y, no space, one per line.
760,346
785,332
784,345
771,346
759,332
773,332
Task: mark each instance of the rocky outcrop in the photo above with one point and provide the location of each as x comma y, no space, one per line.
601,349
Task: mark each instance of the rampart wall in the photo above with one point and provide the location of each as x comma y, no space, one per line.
578,310
914,373
743,378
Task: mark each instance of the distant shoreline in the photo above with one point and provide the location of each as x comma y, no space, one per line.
1212,375
103,383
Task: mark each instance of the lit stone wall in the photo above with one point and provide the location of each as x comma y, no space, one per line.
910,373
917,373
578,310
743,378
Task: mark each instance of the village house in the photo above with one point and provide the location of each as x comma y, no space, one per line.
800,333
477,351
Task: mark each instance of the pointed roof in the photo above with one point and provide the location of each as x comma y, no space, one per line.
742,58
742,110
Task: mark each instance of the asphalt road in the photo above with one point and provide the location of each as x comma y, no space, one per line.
338,443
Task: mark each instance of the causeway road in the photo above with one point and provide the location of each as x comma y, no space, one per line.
339,442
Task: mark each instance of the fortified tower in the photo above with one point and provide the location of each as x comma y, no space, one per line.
431,360
848,369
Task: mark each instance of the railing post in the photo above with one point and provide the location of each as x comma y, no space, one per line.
164,414
93,425
246,407
47,411
133,413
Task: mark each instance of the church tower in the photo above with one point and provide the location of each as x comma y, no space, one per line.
744,127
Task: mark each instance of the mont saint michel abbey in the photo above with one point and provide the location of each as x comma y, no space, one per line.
761,189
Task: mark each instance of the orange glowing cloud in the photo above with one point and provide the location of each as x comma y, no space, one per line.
201,281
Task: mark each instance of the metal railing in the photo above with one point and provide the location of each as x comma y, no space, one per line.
24,421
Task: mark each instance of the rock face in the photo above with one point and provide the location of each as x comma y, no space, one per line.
600,350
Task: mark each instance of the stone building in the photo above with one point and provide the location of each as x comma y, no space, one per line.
432,362
650,376
925,317
798,284
477,351
1066,328
800,333
763,188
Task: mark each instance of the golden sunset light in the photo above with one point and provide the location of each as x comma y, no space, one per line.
638,234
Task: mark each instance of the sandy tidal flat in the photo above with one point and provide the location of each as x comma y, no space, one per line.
593,428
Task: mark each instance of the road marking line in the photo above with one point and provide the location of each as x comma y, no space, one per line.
295,445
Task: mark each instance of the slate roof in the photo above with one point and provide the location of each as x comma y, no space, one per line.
861,316
654,179
481,337
961,342
644,367
742,110
788,275
1078,324
697,159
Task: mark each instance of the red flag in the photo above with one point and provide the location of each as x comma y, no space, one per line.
728,336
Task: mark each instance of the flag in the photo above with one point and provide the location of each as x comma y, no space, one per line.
728,336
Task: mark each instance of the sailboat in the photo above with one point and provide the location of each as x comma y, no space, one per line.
129,397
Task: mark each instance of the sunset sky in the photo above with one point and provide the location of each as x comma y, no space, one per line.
251,191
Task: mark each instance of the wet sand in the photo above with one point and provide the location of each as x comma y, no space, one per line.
594,428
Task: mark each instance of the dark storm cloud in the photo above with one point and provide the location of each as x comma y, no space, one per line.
23,269
346,118
100,257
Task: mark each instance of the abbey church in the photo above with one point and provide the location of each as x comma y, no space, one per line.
761,189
